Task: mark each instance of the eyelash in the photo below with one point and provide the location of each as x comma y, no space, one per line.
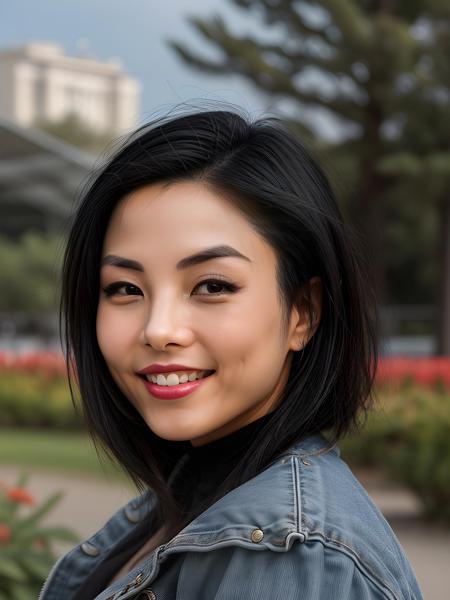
111,289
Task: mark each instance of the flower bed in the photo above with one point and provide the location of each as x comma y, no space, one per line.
37,401
397,370
49,365
34,391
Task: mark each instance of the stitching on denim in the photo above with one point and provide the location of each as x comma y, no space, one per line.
297,497
302,493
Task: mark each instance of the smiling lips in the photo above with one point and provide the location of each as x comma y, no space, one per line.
169,391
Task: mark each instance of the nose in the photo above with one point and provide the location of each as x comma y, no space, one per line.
166,323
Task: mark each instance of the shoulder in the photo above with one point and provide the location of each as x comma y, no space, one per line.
317,524
338,515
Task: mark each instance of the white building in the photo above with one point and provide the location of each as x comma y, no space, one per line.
38,82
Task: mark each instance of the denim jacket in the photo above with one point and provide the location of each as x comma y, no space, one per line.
302,529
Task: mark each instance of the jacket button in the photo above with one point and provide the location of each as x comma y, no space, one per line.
138,579
132,515
257,535
90,549
147,595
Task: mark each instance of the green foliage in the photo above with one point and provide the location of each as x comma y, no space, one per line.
32,400
71,129
30,272
26,546
409,437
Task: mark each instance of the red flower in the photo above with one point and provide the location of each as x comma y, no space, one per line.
423,371
20,495
5,533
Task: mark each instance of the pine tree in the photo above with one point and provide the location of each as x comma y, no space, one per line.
384,68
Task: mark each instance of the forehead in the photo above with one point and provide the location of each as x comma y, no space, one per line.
171,220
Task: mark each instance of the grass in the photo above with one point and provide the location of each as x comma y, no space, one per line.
70,453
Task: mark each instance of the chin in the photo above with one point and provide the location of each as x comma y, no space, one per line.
172,433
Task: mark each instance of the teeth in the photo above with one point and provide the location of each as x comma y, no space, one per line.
173,379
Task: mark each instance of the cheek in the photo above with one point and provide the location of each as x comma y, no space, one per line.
248,339
112,335
112,340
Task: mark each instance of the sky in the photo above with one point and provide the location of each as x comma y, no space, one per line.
135,31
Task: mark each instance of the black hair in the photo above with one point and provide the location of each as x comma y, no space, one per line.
266,172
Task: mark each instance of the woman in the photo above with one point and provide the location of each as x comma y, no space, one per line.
222,331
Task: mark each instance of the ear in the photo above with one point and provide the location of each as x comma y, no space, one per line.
302,328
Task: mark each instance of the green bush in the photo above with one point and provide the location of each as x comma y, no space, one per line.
32,400
408,436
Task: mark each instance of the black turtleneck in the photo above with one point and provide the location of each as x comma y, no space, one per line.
206,466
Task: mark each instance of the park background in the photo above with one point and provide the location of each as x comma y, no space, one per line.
367,87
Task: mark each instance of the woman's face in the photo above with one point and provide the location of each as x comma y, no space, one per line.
164,314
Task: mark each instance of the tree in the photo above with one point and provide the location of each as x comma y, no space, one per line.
380,69
422,161
73,130
30,273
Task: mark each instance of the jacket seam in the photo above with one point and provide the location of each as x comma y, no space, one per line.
297,495
303,525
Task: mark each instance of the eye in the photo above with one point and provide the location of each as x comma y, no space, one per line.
217,283
111,290
133,290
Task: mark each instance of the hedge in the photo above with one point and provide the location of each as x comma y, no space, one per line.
408,436
30,400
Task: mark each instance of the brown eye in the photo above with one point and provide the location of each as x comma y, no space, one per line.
215,285
111,290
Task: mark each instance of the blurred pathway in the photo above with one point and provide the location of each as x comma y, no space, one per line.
88,503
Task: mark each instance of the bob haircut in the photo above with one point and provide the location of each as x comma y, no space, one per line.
267,173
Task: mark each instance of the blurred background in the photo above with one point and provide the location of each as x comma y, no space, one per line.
366,84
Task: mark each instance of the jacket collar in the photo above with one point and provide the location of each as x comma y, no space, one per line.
263,511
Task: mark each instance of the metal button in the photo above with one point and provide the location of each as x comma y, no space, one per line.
257,535
138,579
90,549
147,595
132,515
306,462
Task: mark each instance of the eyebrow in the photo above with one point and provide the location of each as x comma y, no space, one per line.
204,255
